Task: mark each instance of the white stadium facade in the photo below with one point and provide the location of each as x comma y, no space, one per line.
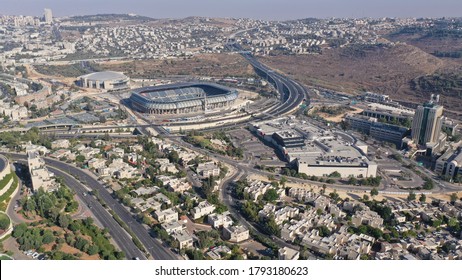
182,98
107,80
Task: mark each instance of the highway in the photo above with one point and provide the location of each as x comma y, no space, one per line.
292,95
154,247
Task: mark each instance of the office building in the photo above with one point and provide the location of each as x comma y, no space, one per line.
427,123
315,152
48,16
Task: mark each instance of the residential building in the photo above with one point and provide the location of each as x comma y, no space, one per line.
205,170
256,189
287,253
40,176
163,198
236,233
302,195
60,144
166,216
179,185
146,190
281,215
219,220
172,227
185,240
216,252
89,152
166,166
96,163
204,208
146,204
367,217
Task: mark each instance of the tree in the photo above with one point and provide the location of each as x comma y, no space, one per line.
271,195
335,174
423,198
374,192
270,226
453,197
19,230
80,158
352,181
411,196
365,197
93,249
174,157
323,189
48,237
453,222
334,195
74,226
30,205
345,125
64,220
195,254
428,185
81,244
4,222
324,231
283,181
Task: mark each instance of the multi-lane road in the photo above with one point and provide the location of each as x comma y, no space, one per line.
70,174
292,95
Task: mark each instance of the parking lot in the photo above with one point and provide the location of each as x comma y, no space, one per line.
255,150
256,248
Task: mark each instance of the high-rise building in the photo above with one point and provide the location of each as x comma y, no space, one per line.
427,122
48,16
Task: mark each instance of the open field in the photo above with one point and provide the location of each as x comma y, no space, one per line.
208,65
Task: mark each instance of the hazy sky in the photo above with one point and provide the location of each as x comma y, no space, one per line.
263,9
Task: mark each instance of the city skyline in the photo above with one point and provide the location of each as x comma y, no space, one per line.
261,9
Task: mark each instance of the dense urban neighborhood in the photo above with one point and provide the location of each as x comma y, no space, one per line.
127,137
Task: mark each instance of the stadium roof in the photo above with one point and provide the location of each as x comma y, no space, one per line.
104,76
181,95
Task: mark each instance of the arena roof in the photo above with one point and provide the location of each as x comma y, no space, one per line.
181,95
180,91
104,76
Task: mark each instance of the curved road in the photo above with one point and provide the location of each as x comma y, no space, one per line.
154,247
119,235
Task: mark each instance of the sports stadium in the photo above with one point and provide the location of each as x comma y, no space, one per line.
182,98
107,80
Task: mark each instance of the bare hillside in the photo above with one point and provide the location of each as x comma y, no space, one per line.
383,69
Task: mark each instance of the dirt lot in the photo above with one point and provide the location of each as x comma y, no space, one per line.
211,65
338,118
